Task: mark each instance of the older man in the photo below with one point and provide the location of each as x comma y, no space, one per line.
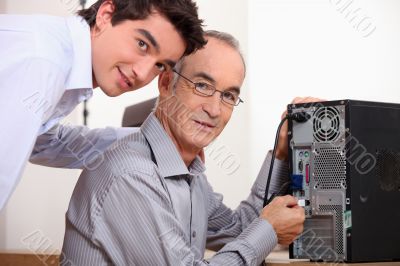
150,203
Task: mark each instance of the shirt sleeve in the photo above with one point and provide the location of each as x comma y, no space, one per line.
75,147
241,230
29,90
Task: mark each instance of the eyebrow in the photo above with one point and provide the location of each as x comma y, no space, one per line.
212,80
204,76
150,38
235,89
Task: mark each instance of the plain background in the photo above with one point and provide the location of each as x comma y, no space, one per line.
332,49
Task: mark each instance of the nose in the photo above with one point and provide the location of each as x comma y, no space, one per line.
143,70
213,105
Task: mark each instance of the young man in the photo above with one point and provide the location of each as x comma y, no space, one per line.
49,65
149,203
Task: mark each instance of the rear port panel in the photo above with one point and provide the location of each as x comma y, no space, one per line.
301,167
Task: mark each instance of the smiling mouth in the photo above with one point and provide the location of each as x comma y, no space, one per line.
125,78
204,124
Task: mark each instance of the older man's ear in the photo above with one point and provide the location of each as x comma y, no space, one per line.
165,83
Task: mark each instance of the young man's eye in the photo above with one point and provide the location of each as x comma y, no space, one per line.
161,67
142,45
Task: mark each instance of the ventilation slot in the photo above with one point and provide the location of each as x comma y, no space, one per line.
326,124
330,168
318,237
388,169
337,211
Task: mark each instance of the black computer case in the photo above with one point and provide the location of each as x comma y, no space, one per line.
345,167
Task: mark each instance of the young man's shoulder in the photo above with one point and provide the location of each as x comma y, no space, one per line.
40,36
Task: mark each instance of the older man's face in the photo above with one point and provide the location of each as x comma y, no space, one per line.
194,120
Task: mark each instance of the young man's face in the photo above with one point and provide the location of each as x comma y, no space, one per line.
129,55
194,120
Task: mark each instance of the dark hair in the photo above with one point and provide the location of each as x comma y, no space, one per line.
181,13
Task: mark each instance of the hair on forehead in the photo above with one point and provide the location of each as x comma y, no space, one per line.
182,14
225,38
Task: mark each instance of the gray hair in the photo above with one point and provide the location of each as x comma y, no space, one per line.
224,37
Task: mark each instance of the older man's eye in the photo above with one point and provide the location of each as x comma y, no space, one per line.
201,86
230,97
204,88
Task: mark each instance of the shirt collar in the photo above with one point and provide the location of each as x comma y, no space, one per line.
169,160
80,76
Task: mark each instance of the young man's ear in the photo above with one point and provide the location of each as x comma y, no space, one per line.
165,80
104,15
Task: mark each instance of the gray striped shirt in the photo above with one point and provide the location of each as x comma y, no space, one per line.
139,208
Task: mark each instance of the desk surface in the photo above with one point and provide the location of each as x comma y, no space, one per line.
276,258
281,258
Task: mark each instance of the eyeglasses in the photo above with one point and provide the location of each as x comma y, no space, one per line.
204,89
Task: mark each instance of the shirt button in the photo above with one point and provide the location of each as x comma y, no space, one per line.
194,234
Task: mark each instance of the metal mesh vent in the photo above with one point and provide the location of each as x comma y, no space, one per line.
326,124
330,168
337,210
388,169
317,237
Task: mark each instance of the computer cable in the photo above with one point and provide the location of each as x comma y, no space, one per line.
299,117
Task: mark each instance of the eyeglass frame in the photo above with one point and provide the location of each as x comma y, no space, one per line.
212,86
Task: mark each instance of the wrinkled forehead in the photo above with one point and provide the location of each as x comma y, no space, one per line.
217,59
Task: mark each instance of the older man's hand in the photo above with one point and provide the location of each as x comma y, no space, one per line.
282,149
286,217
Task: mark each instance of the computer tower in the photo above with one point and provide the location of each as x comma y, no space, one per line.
344,164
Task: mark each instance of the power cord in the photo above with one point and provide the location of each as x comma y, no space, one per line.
299,117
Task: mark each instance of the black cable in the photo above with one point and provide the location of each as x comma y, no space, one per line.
82,3
85,112
299,117
271,166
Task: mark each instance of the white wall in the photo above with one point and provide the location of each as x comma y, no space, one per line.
2,7
310,47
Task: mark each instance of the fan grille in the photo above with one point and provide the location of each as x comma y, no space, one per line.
326,124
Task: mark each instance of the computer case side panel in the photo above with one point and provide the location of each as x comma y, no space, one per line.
373,156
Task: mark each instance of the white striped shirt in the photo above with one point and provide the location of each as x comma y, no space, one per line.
133,211
45,72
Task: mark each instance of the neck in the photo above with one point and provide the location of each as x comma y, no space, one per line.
92,36
95,85
187,152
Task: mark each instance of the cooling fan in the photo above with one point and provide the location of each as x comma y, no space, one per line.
326,122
